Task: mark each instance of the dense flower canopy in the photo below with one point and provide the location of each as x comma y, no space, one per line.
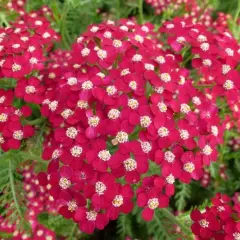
124,101
124,97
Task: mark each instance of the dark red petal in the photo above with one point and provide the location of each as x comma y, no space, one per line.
14,144
42,178
80,214
147,214
65,212
142,199
196,215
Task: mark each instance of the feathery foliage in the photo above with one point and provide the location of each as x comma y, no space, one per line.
60,225
182,195
12,202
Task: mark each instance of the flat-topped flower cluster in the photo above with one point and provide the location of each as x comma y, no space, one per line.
218,221
122,97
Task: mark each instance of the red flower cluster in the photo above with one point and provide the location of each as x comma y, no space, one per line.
191,11
38,200
20,5
12,131
222,171
17,6
206,178
119,100
222,20
22,52
218,221
22,46
215,56
163,5
234,143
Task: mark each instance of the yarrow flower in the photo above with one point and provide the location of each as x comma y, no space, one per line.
115,104
117,108
216,221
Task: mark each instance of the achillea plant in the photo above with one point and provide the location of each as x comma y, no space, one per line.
130,119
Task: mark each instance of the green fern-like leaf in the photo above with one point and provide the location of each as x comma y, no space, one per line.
12,202
124,226
162,227
78,15
60,225
182,195
159,228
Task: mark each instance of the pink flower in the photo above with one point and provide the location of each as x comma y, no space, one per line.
109,95
169,157
15,67
205,224
30,90
6,97
122,132
95,124
164,130
71,202
101,191
122,202
208,149
167,180
151,200
129,162
90,219
98,155
61,179
187,133
191,167
221,206
68,135
74,154
15,133
232,229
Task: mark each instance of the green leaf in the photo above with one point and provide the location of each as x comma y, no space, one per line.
124,226
182,195
12,189
60,225
214,170
5,235
161,227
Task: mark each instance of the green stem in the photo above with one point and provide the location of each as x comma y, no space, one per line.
35,121
204,86
140,11
118,9
3,20
186,60
174,220
61,22
236,15
12,185
32,157
72,232
27,7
